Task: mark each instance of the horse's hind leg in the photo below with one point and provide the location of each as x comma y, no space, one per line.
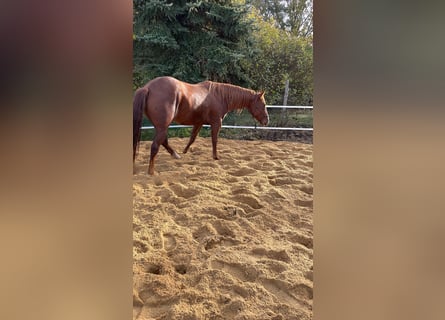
160,136
170,149
195,132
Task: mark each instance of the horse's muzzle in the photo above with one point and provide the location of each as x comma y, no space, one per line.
264,121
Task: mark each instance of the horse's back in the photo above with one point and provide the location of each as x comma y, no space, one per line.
163,83
167,93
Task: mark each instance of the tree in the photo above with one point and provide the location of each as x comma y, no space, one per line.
281,56
190,40
291,15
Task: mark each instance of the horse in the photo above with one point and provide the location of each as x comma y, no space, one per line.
166,99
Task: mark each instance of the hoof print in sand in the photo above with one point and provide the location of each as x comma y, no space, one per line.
228,239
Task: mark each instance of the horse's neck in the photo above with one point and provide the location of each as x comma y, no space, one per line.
231,96
238,104
238,98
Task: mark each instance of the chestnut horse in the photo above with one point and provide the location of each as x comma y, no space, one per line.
166,99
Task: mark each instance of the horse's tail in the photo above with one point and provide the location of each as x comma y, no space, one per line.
139,100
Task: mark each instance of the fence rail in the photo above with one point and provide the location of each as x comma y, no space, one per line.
290,107
251,127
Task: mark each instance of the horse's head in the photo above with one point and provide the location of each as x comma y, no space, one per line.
258,108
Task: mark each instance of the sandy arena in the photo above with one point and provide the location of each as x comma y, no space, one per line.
224,239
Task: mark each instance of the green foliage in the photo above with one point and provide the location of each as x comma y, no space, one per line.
281,56
190,40
253,43
294,16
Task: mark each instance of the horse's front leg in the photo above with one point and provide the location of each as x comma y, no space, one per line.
216,126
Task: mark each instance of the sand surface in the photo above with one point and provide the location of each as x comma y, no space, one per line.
225,239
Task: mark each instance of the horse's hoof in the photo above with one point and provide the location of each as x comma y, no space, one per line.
176,156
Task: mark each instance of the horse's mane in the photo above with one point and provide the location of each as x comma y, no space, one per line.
233,96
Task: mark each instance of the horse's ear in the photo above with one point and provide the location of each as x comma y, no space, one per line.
261,93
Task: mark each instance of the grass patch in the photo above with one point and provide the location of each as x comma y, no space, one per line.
292,118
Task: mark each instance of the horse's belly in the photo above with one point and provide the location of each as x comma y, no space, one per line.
190,118
185,122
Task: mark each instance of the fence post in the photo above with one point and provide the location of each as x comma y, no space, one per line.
286,93
283,110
